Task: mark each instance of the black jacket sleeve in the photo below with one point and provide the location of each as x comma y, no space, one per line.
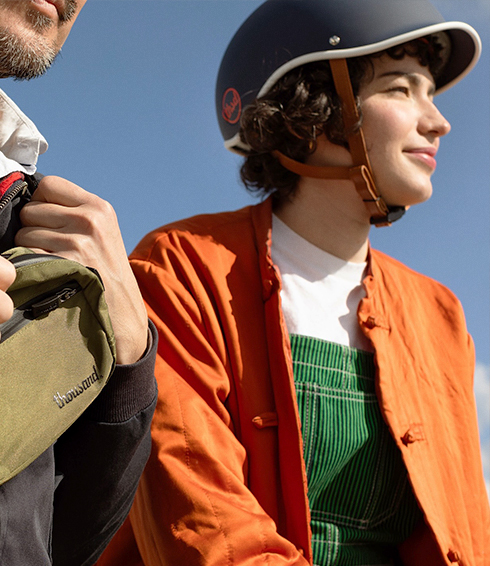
100,459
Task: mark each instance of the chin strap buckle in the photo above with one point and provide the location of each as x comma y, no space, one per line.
381,214
394,214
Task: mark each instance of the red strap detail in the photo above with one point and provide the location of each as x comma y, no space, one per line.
8,181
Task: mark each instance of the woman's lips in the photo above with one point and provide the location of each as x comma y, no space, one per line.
425,155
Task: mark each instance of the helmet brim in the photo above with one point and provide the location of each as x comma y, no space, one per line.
465,52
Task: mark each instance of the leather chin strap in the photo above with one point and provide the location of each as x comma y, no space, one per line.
361,174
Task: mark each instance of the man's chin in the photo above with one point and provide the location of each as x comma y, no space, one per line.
25,57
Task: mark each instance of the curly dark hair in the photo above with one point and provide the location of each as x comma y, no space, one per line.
302,105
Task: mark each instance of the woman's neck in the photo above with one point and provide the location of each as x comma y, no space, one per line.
329,215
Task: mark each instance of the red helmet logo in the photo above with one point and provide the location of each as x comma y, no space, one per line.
232,106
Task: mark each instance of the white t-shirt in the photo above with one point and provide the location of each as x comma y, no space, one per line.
320,292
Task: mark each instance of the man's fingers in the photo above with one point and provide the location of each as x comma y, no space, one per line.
55,204
39,213
71,245
57,190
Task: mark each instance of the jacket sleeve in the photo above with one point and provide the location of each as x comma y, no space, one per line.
193,505
99,461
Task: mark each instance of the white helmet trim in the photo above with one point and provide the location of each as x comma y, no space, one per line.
375,48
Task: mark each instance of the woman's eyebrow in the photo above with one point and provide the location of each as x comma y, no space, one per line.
411,76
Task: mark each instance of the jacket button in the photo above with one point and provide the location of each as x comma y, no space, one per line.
408,438
265,420
453,556
370,322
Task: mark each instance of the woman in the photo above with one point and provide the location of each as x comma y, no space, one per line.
315,396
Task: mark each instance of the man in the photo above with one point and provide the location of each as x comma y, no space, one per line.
65,506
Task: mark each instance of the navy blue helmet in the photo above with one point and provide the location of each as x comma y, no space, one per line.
283,34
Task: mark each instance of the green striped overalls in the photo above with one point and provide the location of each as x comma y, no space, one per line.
361,502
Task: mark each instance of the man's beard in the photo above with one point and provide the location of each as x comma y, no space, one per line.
30,55
24,59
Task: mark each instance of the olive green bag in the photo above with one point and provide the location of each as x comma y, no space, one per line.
56,354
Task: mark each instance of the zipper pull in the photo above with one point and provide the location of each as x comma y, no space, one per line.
52,303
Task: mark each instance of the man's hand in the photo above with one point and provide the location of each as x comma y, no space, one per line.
7,277
66,220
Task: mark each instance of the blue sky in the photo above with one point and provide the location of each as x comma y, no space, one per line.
128,110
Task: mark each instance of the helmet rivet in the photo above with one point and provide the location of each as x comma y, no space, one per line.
334,40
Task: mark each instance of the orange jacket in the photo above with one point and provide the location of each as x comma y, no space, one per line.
225,484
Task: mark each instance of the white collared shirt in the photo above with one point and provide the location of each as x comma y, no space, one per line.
21,143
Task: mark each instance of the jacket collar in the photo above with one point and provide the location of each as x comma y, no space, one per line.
262,224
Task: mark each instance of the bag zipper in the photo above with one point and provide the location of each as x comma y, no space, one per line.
37,307
30,259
